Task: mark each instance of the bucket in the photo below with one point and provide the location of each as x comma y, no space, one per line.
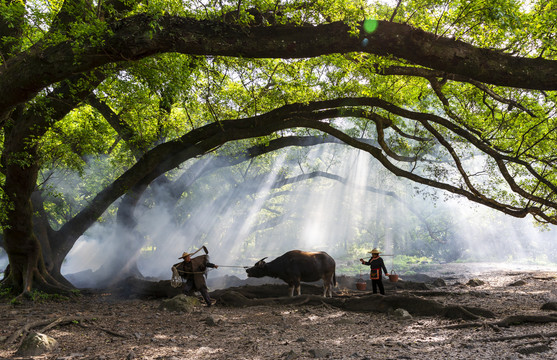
393,277
361,284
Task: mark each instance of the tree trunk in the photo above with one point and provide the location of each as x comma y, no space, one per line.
27,267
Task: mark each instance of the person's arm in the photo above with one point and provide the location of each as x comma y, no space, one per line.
365,262
180,267
211,265
384,268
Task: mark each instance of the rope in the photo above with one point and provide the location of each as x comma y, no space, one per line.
235,266
192,272
209,269
177,280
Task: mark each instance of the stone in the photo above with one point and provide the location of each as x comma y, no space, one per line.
36,344
552,305
402,314
211,321
180,303
475,282
439,282
290,355
320,353
518,283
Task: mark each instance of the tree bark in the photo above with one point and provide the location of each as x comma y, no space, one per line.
27,267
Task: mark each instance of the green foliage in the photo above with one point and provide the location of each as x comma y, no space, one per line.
15,301
12,12
42,297
404,264
6,292
5,204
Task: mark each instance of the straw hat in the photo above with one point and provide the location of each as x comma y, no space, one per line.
374,251
184,255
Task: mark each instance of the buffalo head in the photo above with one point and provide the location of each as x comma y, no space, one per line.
258,270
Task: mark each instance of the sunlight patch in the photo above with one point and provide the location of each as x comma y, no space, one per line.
370,25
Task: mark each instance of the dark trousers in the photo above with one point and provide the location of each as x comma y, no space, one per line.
378,283
190,285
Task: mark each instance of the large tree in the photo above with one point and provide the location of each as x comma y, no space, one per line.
431,84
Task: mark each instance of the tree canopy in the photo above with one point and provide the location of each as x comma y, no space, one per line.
455,95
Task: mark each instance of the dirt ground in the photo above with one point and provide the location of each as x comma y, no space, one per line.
104,326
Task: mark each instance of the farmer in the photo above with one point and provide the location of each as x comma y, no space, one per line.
193,271
376,264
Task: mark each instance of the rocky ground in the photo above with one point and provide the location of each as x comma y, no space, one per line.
108,326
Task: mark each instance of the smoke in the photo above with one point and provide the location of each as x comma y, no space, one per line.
241,216
3,262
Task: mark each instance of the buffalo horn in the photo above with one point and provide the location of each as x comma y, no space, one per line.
260,261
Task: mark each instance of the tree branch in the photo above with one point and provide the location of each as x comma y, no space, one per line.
141,35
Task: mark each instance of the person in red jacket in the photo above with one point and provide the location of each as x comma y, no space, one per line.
376,264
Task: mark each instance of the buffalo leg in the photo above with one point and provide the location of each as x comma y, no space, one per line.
328,286
297,286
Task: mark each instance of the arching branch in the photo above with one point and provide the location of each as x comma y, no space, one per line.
142,35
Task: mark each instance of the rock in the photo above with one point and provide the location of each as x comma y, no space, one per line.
402,314
518,283
289,355
36,344
475,282
180,303
552,305
213,320
439,282
320,353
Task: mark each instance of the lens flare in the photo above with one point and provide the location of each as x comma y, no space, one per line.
370,25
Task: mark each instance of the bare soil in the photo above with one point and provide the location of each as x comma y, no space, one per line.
108,326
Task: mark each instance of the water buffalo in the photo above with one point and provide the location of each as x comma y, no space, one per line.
295,266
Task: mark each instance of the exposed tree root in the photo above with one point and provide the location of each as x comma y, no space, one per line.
50,323
520,337
276,295
508,321
523,319
370,303
108,331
